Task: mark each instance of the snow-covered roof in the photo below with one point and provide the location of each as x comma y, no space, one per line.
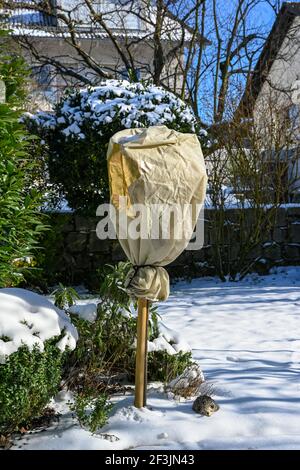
33,23
62,32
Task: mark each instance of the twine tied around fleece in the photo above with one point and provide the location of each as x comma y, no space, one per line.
148,282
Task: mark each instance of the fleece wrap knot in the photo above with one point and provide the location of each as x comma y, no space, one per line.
148,282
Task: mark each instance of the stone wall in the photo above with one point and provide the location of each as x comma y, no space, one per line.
78,253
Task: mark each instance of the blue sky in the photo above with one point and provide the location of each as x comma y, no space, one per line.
260,19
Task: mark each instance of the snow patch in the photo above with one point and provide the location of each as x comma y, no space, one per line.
168,340
86,311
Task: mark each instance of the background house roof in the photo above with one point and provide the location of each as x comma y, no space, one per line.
27,17
27,22
284,20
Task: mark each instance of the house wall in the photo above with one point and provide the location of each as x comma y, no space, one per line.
109,8
103,52
278,104
280,86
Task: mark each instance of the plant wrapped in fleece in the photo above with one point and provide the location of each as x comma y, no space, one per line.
78,131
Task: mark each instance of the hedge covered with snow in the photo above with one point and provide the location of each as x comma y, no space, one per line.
29,319
34,336
78,131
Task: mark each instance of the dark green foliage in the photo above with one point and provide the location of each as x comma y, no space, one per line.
14,72
111,280
64,297
92,411
28,380
20,221
107,344
50,258
165,367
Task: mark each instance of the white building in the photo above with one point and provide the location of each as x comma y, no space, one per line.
60,58
272,95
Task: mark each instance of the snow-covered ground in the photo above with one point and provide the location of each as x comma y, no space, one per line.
246,337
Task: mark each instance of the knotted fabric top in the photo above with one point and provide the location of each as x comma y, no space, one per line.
160,170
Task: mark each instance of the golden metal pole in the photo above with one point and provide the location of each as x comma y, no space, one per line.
141,354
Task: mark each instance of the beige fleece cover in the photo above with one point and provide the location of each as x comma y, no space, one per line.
154,166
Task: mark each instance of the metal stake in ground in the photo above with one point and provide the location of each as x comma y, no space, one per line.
141,354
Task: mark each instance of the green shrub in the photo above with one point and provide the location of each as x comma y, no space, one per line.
164,367
64,297
28,380
50,258
20,220
77,133
106,346
13,71
92,411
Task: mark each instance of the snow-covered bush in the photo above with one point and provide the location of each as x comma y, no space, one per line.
78,131
33,338
168,353
107,345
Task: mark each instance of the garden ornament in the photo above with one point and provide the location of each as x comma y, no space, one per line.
154,174
205,405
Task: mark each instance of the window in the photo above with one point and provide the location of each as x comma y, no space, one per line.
294,114
44,84
42,75
119,13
